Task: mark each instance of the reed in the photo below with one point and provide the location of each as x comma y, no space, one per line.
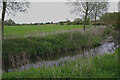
100,66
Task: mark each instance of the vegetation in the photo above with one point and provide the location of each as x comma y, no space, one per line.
11,8
24,43
100,66
47,45
99,9
33,30
77,21
9,22
83,8
111,19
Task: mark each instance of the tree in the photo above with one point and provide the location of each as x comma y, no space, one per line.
9,22
68,22
61,23
111,19
82,8
11,7
51,23
78,21
47,23
99,9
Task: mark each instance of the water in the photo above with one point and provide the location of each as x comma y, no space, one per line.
106,47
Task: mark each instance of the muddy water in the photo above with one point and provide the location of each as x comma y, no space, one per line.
106,47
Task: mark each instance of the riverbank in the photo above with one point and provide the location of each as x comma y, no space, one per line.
19,51
100,66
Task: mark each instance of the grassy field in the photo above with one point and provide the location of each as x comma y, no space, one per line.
32,30
100,66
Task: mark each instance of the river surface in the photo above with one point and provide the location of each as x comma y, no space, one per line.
105,47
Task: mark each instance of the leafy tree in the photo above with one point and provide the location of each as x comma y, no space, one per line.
11,7
51,22
78,21
9,22
68,22
47,23
111,19
61,23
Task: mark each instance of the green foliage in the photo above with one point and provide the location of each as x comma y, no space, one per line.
47,23
96,41
61,23
110,18
68,22
9,22
106,32
117,26
100,66
49,44
77,21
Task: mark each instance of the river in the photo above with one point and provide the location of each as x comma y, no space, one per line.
58,60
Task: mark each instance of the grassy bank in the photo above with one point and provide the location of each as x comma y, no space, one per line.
20,48
100,66
32,30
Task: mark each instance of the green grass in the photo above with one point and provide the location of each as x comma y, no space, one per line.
31,30
49,44
100,66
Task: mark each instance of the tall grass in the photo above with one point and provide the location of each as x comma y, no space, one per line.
100,66
17,50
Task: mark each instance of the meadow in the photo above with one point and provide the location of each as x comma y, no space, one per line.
33,30
25,42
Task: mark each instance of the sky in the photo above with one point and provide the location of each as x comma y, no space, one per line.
50,12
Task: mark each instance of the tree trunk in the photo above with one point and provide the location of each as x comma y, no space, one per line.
3,17
95,21
86,13
84,22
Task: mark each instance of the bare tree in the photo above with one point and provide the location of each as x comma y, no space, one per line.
11,7
99,9
82,9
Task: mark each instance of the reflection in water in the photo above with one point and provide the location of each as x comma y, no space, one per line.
106,47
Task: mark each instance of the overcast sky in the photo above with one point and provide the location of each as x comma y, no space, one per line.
50,11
